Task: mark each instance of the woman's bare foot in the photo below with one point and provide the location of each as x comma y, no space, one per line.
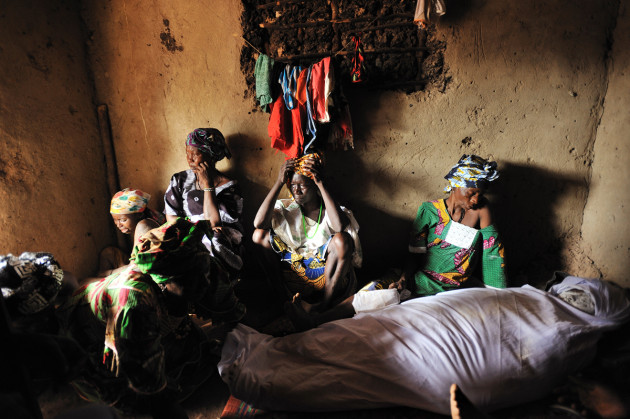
600,399
461,407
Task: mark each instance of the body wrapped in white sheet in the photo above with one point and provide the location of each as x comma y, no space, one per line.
501,346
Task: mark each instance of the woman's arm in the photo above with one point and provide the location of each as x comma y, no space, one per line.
173,199
485,217
338,220
205,178
263,216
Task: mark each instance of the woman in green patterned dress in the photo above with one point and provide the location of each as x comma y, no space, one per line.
453,239
145,351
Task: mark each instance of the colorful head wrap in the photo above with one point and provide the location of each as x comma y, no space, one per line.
171,250
209,141
471,172
300,162
129,201
29,282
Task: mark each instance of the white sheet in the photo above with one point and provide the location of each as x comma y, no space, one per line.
502,347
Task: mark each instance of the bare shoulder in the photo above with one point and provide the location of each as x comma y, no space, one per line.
143,226
484,213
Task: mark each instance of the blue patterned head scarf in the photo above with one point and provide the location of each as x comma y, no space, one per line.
209,141
471,172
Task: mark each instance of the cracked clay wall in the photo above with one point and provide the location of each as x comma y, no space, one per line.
528,81
51,159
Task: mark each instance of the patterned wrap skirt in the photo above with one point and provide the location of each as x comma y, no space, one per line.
304,274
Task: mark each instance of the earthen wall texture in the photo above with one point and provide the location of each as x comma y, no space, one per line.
51,159
606,230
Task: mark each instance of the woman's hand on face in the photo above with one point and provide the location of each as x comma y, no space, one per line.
204,175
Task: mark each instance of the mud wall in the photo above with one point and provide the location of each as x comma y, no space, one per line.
528,83
51,160
606,230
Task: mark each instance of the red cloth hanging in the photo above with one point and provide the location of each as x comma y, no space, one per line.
285,128
358,72
322,83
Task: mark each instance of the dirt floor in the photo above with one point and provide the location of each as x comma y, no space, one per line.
209,400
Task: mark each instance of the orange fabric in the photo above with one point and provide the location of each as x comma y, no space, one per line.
300,94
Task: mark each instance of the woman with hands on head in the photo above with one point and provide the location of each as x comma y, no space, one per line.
314,239
204,193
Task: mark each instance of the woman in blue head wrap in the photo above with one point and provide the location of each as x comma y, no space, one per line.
453,240
204,193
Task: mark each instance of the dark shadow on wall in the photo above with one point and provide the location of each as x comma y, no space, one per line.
383,239
383,236
459,9
246,159
524,201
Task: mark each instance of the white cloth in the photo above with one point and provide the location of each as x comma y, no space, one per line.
426,9
286,222
501,346
365,301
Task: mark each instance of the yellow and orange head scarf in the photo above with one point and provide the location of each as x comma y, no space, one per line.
300,162
129,201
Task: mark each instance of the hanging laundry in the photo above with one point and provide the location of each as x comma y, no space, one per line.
426,9
285,128
304,98
322,85
288,81
358,71
309,111
262,74
300,91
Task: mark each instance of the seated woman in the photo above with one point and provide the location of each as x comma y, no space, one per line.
204,193
501,346
453,236
131,214
312,239
145,351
